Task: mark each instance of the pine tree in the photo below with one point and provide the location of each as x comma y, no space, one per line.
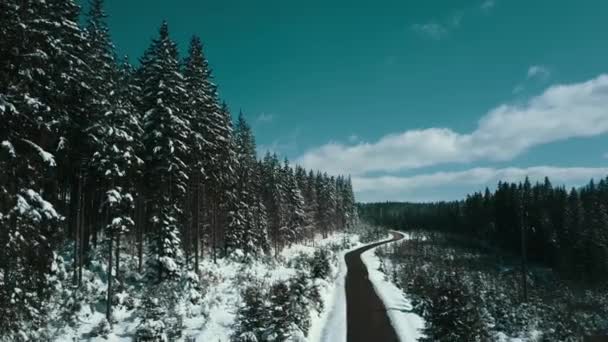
260,215
296,224
151,326
300,289
252,317
199,110
166,131
280,326
41,70
246,233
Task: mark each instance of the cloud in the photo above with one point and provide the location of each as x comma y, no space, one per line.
518,88
535,72
560,113
264,118
283,147
431,29
455,185
538,71
488,5
438,29
353,138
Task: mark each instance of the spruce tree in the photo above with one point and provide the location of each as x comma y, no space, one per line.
166,131
296,223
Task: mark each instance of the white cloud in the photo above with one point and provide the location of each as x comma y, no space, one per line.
438,29
283,147
353,138
264,118
431,29
455,185
518,88
488,5
560,113
539,71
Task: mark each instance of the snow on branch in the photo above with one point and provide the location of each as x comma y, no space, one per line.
44,155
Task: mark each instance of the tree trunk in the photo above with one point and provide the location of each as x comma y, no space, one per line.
82,232
118,256
109,298
213,230
75,204
140,231
196,218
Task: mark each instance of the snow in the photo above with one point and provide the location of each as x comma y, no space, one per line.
30,203
408,325
223,296
208,313
46,157
330,326
9,147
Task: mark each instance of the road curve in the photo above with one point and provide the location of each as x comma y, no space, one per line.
366,317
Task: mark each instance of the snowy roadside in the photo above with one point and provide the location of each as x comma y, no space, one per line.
330,326
214,316
408,325
333,321
227,296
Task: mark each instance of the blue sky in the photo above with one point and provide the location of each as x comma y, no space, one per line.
417,100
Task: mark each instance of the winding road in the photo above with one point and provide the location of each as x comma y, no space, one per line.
367,320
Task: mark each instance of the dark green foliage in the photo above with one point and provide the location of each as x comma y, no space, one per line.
96,156
440,271
453,314
320,266
568,232
300,292
281,320
152,326
253,316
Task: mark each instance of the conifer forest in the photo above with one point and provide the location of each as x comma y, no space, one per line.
138,171
187,170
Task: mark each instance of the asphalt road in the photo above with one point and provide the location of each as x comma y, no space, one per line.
367,320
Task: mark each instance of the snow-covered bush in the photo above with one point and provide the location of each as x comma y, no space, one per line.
320,266
437,272
151,327
253,316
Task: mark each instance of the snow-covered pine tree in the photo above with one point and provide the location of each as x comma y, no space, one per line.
199,110
260,215
274,198
39,61
299,290
349,203
307,195
253,316
151,328
246,235
219,168
295,228
166,131
114,131
231,208
325,188
117,164
280,325
312,203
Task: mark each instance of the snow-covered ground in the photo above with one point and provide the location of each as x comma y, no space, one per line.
213,317
332,323
407,324
226,293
